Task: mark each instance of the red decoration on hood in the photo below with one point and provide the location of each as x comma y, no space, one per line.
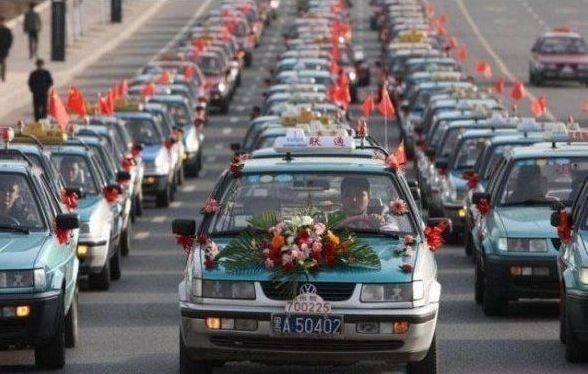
564,230
70,199
434,236
406,268
361,128
484,207
186,242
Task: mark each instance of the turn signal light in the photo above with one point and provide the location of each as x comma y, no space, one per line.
401,327
213,323
23,311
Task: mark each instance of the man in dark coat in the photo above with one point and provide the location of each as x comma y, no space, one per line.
40,81
32,26
5,44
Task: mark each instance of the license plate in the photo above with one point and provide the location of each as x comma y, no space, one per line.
324,326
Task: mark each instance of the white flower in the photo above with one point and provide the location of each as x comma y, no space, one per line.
286,259
299,221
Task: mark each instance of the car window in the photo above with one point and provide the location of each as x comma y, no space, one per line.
563,45
468,153
19,206
143,131
75,171
363,199
210,65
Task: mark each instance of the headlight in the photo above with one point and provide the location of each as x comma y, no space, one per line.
352,76
382,293
228,290
584,275
159,166
40,279
522,245
17,278
538,65
583,66
221,87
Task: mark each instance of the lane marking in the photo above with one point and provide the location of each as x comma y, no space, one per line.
227,130
210,158
159,219
501,65
177,204
142,235
232,120
190,188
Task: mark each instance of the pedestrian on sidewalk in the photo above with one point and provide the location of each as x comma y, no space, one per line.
5,44
32,26
40,81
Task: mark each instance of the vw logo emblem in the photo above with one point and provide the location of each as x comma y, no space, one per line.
308,288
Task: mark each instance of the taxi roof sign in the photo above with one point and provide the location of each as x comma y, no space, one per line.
296,141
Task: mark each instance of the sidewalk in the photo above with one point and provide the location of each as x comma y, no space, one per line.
98,39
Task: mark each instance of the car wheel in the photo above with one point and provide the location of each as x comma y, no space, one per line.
574,348
125,240
115,271
181,177
100,281
71,323
187,366
562,318
133,213
224,109
479,283
493,303
162,199
138,205
51,355
429,364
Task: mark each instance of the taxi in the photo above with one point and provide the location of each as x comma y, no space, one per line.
572,268
388,312
559,55
515,247
38,267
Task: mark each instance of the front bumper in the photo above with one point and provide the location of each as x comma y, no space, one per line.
93,261
499,277
577,310
261,345
218,100
37,328
558,74
154,184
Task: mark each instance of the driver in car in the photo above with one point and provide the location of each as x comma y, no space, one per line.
13,205
530,185
72,173
355,199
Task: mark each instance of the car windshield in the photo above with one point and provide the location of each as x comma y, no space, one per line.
543,180
449,141
468,152
563,45
210,65
75,171
363,199
143,131
179,112
18,206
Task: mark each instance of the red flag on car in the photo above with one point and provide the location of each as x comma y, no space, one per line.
538,106
400,154
368,105
462,53
499,85
76,102
518,90
56,109
148,89
484,68
385,106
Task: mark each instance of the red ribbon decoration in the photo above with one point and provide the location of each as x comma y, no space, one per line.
564,230
128,163
406,268
111,194
473,179
484,207
70,199
434,236
62,235
186,242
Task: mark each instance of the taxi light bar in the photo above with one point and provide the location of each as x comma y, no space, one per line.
7,134
296,141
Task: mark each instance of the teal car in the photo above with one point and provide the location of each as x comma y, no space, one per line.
38,267
573,271
515,247
248,305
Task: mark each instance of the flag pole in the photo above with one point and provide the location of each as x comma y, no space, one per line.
386,132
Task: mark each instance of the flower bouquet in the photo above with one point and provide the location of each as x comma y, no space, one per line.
295,249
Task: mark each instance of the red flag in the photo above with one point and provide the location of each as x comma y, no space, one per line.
335,52
333,93
537,108
148,89
462,53
122,88
400,154
164,78
189,71
430,10
484,68
113,93
334,67
452,43
368,105
518,90
385,106
104,106
111,100
499,85
76,102
585,106
57,110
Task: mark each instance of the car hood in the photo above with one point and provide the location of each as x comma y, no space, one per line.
527,222
389,273
86,206
150,152
563,59
19,251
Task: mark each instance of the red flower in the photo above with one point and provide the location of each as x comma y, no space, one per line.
211,206
203,239
235,169
331,260
473,180
408,240
111,194
484,207
564,229
303,236
434,236
288,266
186,242
406,268
398,207
209,263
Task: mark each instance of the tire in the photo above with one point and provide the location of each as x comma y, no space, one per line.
468,241
493,303
115,271
125,240
133,214
479,280
180,177
187,366
575,351
224,108
71,323
51,355
138,205
100,281
562,318
162,198
248,60
429,364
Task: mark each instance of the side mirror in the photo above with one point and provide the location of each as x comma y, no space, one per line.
235,147
438,220
123,176
78,191
113,186
67,221
185,227
441,164
430,152
555,219
478,196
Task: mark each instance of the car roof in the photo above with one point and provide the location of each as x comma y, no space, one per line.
311,164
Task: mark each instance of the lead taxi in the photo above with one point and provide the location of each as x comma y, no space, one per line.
38,267
310,259
515,247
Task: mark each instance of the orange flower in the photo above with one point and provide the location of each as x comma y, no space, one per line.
334,239
278,241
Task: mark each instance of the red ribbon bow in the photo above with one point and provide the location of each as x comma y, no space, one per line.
564,229
186,242
70,199
111,194
473,180
484,207
434,235
62,235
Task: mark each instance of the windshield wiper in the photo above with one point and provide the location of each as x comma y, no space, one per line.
14,228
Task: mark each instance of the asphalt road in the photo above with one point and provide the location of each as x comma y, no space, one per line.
133,328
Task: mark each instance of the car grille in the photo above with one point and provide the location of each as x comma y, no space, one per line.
12,327
307,345
328,291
